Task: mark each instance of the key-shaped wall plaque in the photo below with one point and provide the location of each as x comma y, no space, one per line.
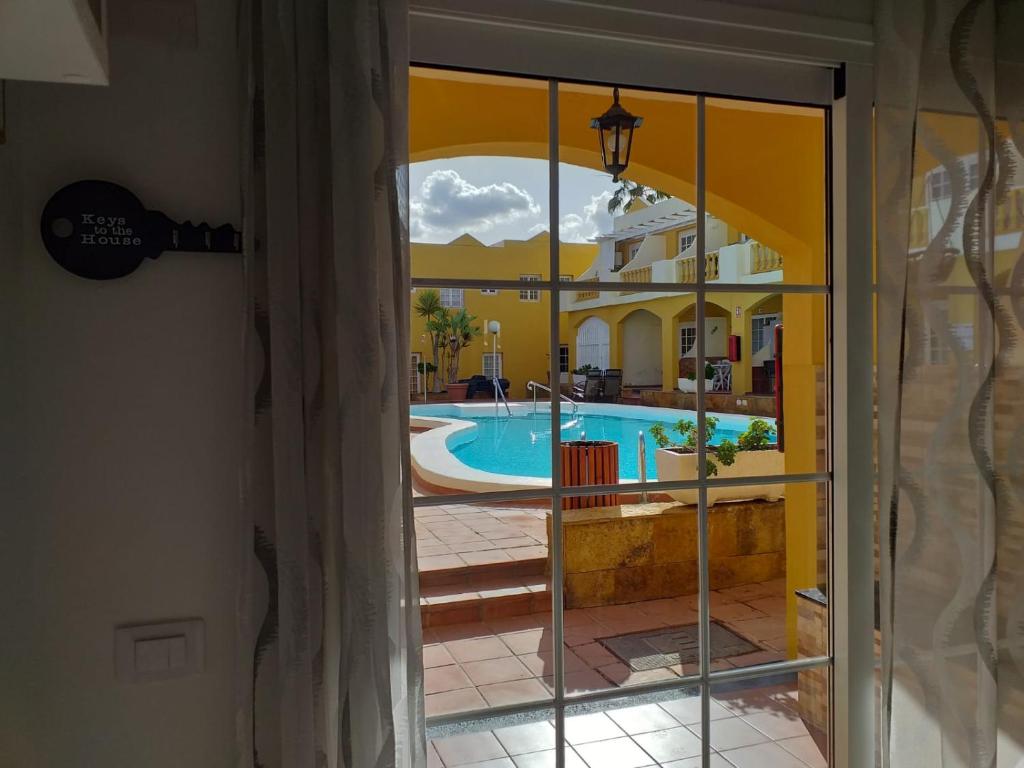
100,230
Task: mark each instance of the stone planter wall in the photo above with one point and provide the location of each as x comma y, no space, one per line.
632,552
812,640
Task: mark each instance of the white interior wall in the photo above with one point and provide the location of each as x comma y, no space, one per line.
121,415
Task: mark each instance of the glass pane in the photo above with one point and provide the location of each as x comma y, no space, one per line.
766,205
752,340
649,730
630,562
464,439
781,720
495,742
478,176
636,228
768,573
485,604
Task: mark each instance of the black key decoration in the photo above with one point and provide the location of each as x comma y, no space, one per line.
101,231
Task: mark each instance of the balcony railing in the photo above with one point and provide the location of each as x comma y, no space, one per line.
638,275
764,259
587,295
688,268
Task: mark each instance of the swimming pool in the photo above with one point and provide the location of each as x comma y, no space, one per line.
520,445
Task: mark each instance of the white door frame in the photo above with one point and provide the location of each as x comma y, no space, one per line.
690,45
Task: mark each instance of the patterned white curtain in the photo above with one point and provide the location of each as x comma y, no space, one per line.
950,266
328,651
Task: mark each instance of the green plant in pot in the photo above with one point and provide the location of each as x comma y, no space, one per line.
750,455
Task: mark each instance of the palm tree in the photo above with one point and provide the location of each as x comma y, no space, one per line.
628,192
428,306
461,332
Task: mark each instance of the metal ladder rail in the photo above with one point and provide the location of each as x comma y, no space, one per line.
533,386
499,391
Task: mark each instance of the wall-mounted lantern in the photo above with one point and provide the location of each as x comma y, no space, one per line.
615,131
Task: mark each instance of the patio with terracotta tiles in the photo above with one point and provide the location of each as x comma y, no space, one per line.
456,535
485,601
752,727
507,660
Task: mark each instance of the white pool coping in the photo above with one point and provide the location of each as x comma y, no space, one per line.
435,464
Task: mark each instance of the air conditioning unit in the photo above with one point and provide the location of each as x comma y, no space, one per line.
59,41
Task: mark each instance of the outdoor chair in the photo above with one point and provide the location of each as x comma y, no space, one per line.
593,389
722,381
612,385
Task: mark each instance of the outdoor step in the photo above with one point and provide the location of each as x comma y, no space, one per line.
465,575
484,599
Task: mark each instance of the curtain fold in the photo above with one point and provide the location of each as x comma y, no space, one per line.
328,630
950,217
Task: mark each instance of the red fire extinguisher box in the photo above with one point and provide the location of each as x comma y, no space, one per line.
734,349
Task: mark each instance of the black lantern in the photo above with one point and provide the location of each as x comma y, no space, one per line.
615,132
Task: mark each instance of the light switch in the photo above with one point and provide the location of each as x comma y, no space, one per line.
152,655
159,651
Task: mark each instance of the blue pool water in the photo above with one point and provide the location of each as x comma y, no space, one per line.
521,444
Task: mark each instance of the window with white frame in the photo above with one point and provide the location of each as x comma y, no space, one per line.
452,298
762,334
565,278
489,291
634,249
940,181
686,240
529,294
687,338
491,365
563,358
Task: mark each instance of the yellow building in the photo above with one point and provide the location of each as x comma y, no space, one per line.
520,351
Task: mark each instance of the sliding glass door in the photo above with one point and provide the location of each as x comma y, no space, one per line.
624,525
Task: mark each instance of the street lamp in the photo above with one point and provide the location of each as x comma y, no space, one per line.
615,133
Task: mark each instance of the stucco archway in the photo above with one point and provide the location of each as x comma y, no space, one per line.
592,343
641,349
765,163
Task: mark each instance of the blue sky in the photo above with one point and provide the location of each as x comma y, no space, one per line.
498,198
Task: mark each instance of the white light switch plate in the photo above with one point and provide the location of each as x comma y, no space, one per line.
148,652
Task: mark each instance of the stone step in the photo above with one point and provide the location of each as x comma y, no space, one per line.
483,599
465,575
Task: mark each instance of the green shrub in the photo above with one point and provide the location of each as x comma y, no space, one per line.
758,436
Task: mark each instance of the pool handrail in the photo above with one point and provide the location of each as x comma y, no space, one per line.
534,385
499,391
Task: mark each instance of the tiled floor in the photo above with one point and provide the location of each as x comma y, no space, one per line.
518,649
457,535
752,728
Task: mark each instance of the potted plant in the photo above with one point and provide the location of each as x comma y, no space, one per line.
688,383
754,454
458,334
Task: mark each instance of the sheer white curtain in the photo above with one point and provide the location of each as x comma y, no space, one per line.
950,201
329,642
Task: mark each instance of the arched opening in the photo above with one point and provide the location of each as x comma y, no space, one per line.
641,349
592,339
761,320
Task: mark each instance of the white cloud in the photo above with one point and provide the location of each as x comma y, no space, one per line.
589,223
447,204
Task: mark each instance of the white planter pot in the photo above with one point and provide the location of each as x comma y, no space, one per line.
683,466
690,385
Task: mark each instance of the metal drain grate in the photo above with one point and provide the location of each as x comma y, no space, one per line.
674,645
